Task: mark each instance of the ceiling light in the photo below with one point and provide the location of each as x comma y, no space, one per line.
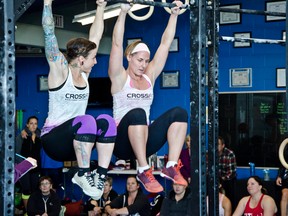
110,11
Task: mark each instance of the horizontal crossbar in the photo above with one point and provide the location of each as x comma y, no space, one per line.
254,40
151,3
185,6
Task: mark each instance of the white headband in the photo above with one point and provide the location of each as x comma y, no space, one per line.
140,47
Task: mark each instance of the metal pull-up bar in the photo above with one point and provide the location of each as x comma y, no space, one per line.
186,6
255,40
247,11
150,3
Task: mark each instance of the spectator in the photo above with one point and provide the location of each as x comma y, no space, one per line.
178,202
45,201
133,202
96,208
227,169
185,158
282,181
30,147
225,206
257,203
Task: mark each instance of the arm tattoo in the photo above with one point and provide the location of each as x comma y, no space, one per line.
51,45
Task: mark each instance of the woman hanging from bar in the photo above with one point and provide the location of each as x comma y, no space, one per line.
69,134
132,91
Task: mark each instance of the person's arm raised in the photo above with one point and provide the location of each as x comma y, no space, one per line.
55,58
157,64
97,27
116,70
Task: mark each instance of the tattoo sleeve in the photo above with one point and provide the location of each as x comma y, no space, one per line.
51,45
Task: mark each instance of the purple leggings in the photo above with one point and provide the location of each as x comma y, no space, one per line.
58,143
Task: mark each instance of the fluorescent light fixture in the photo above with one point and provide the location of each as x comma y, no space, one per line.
110,11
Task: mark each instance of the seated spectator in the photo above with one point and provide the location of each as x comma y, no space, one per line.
185,158
133,202
282,181
96,208
45,201
178,202
23,167
257,203
225,206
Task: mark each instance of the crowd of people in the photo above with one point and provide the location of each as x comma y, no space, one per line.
71,134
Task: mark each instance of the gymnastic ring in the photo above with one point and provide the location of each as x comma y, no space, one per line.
141,18
181,11
281,153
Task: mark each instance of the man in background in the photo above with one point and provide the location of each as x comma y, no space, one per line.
227,169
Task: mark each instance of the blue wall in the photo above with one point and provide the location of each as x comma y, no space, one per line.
262,58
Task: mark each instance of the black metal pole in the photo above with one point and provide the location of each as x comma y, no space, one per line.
286,72
213,107
7,107
198,106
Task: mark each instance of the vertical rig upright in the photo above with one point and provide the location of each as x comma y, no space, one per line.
7,107
198,105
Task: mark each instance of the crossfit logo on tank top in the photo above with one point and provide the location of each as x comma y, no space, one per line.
74,97
132,96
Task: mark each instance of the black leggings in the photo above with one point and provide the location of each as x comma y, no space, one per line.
157,131
58,143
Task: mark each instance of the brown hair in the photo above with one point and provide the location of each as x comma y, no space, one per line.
45,178
78,47
109,180
221,139
31,117
258,179
131,47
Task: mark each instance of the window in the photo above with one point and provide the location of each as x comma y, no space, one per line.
254,125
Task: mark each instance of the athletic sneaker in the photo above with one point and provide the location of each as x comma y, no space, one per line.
149,182
173,173
99,183
86,182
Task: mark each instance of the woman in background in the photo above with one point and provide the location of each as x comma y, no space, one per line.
96,208
185,158
178,202
133,202
257,203
29,147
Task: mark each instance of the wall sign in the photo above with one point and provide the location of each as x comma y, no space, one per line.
241,77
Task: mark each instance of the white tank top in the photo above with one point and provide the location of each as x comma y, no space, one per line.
129,98
66,103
